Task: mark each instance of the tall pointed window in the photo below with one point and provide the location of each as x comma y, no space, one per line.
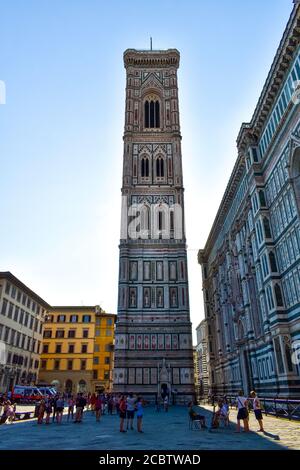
145,167
160,167
152,114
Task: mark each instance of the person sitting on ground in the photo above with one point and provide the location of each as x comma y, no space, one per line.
195,414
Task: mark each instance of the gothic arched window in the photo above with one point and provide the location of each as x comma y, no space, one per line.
160,167
262,198
278,295
145,167
273,263
152,114
267,227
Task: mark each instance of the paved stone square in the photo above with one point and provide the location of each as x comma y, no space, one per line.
162,431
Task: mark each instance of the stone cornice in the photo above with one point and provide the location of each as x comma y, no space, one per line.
277,74
151,59
226,203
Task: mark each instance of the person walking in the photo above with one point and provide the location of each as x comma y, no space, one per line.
122,412
53,403
166,403
59,409
80,404
97,407
48,410
243,413
41,412
110,404
139,414
131,401
71,403
93,402
257,410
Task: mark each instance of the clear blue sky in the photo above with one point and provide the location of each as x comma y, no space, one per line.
61,127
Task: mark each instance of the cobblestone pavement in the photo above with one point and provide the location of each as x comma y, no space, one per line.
162,431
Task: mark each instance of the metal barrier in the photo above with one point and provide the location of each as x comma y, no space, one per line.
279,407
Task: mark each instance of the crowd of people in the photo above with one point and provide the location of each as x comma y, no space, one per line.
7,409
221,414
52,409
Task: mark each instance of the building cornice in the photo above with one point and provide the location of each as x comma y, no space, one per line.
281,63
151,59
7,275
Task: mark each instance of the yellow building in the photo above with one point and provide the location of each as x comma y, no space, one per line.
77,352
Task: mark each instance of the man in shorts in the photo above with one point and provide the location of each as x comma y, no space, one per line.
257,411
131,401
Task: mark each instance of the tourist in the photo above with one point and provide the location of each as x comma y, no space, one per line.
53,404
41,412
195,414
166,403
59,409
80,404
93,402
139,414
110,404
97,407
158,403
48,410
131,401
122,412
257,411
243,414
10,410
71,403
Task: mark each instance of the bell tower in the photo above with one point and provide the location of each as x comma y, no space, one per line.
153,325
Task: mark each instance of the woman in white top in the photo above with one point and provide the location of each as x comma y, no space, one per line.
242,404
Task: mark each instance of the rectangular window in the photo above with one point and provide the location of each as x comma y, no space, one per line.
71,333
61,318
86,318
83,364
7,288
96,348
56,364
98,331
45,348
95,374
73,318
106,375
58,349
109,322
60,334
84,348
109,332
4,307
43,364
96,360
13,292
107,361
71,348
16,315
48,334
85,333
10,310
70,364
